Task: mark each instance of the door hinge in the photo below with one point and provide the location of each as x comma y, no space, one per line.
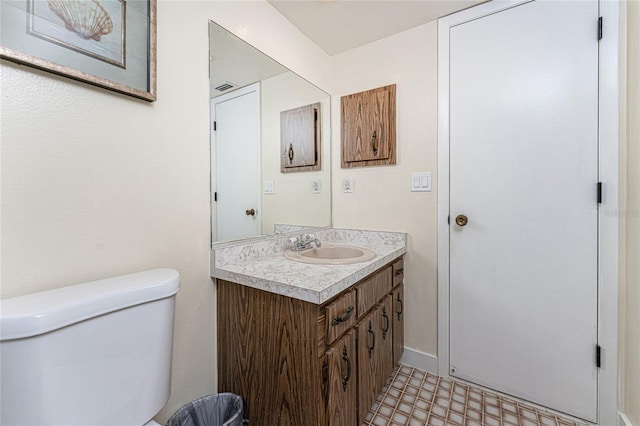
598,356
215,196
215,126
599,193
600,28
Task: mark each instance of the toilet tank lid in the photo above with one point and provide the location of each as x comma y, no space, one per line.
38,313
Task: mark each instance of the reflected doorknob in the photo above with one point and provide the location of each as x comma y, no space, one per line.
461,220
250,212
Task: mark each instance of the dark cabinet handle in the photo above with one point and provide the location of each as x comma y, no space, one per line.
372,334
374,142
250,212
386,324
345,358
342,318
399,272
291,153
399,311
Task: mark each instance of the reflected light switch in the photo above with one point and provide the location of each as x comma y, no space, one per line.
268,187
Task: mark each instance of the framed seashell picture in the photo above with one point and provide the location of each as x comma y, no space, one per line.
107,43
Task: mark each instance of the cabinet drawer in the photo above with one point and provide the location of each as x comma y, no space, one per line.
372,290
340,316
398,271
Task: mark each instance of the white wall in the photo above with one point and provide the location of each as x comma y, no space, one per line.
381,199
292,202
96,184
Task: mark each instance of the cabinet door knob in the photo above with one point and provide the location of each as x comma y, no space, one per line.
385,328
372,336
345,357
399,311
342,318
250,212
374,142
291,153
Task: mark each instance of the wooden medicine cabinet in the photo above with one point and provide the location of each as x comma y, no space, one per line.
300,139
369,127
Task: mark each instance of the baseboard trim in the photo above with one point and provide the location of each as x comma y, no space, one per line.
420,360
623,420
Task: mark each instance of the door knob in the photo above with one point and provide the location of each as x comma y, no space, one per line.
250,212
461,220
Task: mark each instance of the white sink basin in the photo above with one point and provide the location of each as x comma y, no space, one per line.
331,255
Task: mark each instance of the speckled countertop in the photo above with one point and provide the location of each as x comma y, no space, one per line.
261,264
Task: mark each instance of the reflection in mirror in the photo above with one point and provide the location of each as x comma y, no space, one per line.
270,144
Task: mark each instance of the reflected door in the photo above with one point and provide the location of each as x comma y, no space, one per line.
235,208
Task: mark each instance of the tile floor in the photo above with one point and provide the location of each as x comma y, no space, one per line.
414,397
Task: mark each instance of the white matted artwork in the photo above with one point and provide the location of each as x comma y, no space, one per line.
95,28
107,43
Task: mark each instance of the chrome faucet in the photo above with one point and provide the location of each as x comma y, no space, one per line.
303,242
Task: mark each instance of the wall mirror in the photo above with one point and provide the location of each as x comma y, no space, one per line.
270,144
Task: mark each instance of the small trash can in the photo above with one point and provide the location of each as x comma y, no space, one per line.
223,409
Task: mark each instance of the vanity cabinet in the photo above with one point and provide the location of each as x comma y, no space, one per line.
368,127
299,363
397,300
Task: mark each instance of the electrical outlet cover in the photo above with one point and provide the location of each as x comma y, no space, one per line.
315,186
347,185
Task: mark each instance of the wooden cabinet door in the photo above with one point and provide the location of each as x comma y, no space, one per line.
368,339
368,127
341,380
398,323
363,128
299,138
384,319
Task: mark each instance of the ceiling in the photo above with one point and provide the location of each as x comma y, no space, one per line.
234,63
338,26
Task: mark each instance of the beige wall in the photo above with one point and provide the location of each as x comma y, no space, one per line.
381,199
292,202
96,184
630,322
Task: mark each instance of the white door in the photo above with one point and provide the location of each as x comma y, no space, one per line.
236,210
524,171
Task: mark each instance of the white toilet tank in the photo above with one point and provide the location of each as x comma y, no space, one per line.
97,353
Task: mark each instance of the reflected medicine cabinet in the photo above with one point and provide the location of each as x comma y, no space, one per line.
300,139
369,127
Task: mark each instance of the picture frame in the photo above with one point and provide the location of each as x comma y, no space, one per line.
106,43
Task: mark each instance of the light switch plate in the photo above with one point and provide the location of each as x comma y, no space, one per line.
315,186
347,185
268,187
420,181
